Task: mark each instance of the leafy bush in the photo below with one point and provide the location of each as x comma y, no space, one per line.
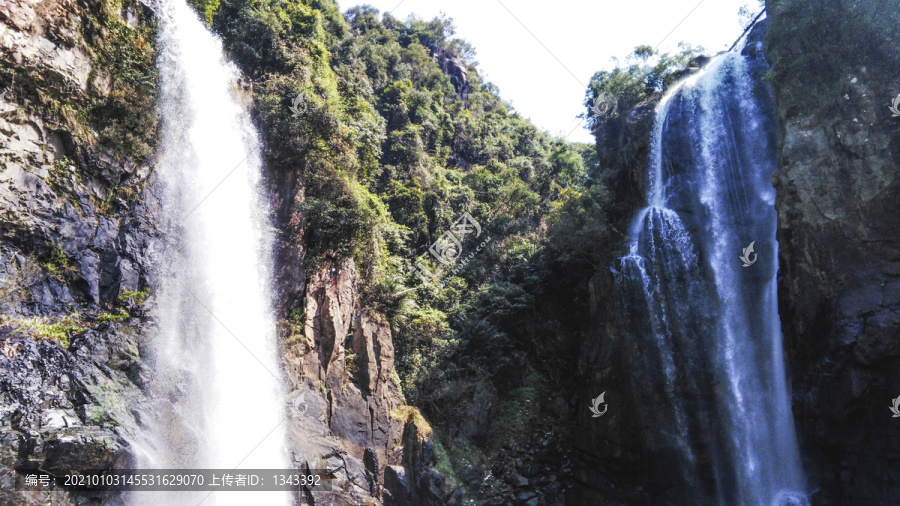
389,156
646,73
57,262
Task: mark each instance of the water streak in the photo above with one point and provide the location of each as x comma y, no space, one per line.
705,328
217,370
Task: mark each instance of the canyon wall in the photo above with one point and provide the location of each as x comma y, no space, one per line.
834,74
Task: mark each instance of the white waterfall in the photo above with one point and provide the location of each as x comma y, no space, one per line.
217,365
705,328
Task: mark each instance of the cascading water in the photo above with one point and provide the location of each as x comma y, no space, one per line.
217,373
704,327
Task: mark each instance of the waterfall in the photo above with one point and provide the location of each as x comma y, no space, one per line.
704,328
217,377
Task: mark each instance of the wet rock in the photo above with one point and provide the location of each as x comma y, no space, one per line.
837,188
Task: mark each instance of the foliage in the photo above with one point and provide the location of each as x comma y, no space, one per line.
443,463
579,231
122,83
518,410
128,56
60,330
105,317
206,9
352,363
645,73
410,414
138,296
57,262
389,155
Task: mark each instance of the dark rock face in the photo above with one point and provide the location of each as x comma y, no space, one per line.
456,71
416,482
837,199
59,202
69,246
75,408
616,455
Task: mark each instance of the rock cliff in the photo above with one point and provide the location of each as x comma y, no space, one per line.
76,237
78,242
347,414
834,76
833,80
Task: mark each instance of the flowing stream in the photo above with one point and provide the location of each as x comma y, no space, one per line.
704,327
217,375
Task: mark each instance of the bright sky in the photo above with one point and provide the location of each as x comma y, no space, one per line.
548,85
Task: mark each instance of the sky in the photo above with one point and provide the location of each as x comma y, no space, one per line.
541,54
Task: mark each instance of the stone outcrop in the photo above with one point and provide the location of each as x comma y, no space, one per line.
346,411
837,200
77,235
455,69
416,482
76,408
48,202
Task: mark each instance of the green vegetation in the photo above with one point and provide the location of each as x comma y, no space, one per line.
646,74
125,57
390,155
410,414
138,297
206,8
443,462
518,410
57,262
352,363
122,84
105,317
61,330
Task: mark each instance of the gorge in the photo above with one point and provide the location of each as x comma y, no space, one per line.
698,319
209,212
